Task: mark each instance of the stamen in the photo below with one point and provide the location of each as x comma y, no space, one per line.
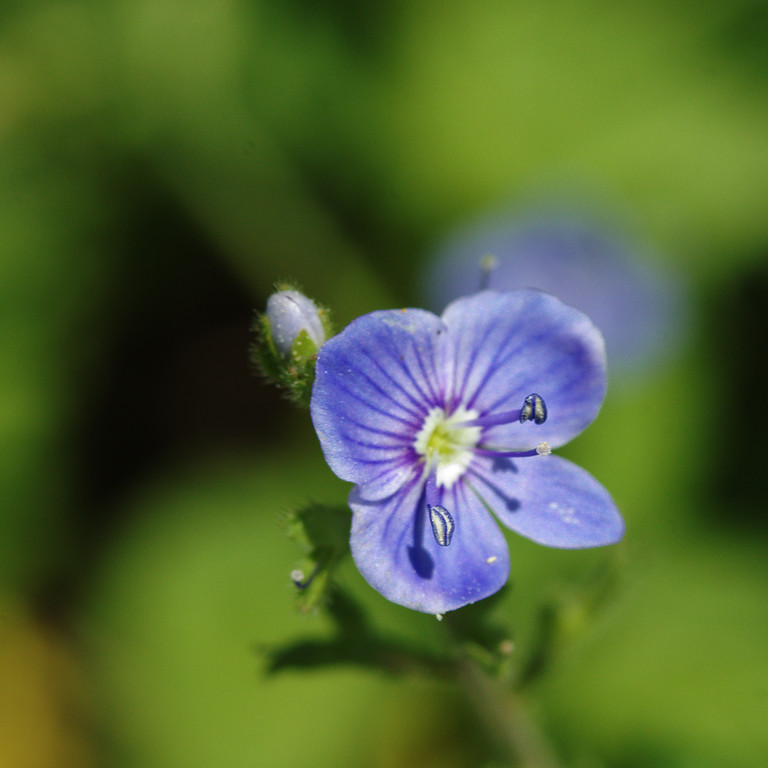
431,494
442,525
534,408
439,517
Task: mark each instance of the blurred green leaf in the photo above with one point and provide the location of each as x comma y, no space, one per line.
357,644
679,665
195,580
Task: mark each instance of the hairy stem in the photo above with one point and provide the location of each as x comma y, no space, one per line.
517,739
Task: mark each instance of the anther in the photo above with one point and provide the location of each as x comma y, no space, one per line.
442,524
534,409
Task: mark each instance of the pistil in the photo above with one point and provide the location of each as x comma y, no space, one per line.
542,449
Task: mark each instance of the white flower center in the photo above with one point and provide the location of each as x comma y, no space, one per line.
447,445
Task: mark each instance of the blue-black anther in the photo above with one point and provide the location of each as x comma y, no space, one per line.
534,409
442,524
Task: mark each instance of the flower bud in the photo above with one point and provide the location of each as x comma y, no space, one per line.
287,337
290,313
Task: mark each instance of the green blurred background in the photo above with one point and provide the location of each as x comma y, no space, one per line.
161,164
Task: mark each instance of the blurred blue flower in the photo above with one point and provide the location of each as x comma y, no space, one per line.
637,303
440,420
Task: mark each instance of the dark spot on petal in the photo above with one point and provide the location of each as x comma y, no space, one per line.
510,502
503,464
421,561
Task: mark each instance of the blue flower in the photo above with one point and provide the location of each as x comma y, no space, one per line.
636,302
442,421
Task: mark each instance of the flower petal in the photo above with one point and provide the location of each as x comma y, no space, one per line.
375,382
509,345
550,500
394,548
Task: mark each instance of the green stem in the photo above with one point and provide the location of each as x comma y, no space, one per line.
517,739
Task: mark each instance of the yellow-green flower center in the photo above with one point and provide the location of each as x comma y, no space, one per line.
446,445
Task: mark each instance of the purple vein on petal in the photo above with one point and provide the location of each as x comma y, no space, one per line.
391,479
418,404
402,437
399,437
517,351
426,399
434,398
388,395
502,357
494,366
475,346
415,425
395,450
394,461
404,491
378,447
393,466
550,374
471,366
414,401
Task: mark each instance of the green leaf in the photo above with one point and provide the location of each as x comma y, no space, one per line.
322,531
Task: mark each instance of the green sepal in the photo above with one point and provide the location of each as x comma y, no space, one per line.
293,377
304,349
264,356
322,531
